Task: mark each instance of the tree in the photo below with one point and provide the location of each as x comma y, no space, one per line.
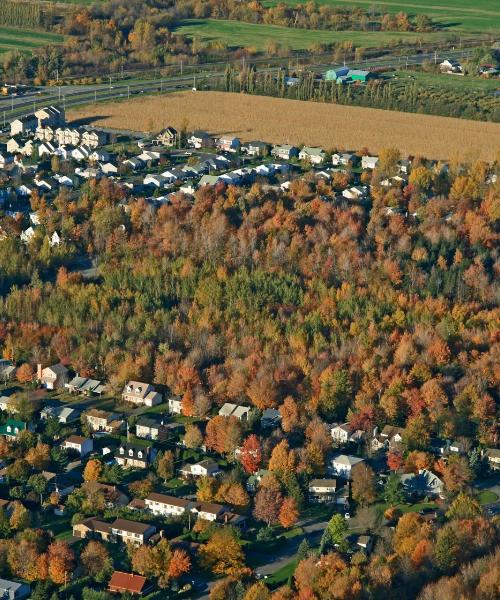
20,517
39,456
334,533
25,373
92,470
388,161
288,514
257,591
61,561
393,490
464,507
165,465
395,460
38,484
335,393
4,524
222,554
193,437
96,561
267,505
251,454
180,564
447,549
363,485
456,474
289,412
282,459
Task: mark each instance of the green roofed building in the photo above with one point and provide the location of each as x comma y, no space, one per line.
12,428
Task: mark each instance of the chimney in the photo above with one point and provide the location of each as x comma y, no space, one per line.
39,371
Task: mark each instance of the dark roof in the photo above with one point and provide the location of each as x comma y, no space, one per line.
171,500
127,582
96,525
209,507
132,526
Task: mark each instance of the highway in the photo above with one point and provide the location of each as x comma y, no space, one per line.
73,95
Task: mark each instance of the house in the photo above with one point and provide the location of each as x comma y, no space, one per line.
149,157
140,393
390,437
50,116
132,455
209,511
9,404
343,464
93,138
228,144
86,386
342,434
492,455
92,528
316,156
158,181
204,468
355,192
233,410
81,152
134,163
46,149
451,65
270,419
256,148
439,446
130,583
12,428
23,125
200,139
167,506
120,530
80,444
369,162
322,490
7,370
285,152
254,480
108,168
13,590
64,414
424,483
114,496
13,146
102,420
55,239
365,542
175,405
150,428
167,137
62,483
53,377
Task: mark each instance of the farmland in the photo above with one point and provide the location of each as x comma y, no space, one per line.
25,40
236,33
291,121
482,16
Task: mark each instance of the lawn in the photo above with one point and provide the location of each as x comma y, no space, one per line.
282,575
482,16
441,81
487,497
238,34
25,40
406,508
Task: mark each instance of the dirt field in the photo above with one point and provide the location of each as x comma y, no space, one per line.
291,121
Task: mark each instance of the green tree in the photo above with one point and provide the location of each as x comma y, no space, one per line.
393,490
446,549
335,393
334,533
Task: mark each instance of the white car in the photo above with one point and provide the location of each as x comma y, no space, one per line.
347,515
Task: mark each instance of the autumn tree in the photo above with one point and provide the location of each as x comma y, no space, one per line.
222,554
456,474
25,373
464,507
39,456
289,412
268,505
335,393
282,459
289,513
20,517
165,465
193,437
96,561
179,565
93,470
363,484
61,561
251,454
393,490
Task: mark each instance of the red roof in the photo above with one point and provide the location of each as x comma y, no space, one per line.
127,582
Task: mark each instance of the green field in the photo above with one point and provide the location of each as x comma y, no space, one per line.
25,40
237,34
482,16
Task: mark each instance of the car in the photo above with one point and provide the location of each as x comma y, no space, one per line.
347,515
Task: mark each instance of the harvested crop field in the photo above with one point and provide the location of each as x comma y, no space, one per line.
278,120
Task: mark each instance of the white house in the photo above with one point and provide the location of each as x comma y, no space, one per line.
141,393
285,151
158,181
204,468
369,162
175,405
80,444
316,156
108,168
342,465
167,506
233,410
322,490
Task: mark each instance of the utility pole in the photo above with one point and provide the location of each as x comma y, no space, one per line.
181,67
95,96
57,75
161,85
128,91
12,98
59,89
110,82
435,57
4,118
64,103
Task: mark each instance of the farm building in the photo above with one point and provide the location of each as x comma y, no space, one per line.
346,75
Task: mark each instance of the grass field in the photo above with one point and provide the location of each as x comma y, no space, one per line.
25,40
481,16
238,34
291,121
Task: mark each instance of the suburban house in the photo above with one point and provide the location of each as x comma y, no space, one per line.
356,192
344,159
254,480
167,137
342,434
322,490
209,511
50,116
316,156
53,377
343,464
200,139
424,483
228,144
102,420
85,386
167,506
79,444
93,138
62,483
492,455
285,152
175,405
23,125
204,468
365,542
120,530
439,446
7,370
13,590
113,495
132,455
390,438
64,414
130,583
256,148
12,428
233,410
270,419
369,162
141,393
150,428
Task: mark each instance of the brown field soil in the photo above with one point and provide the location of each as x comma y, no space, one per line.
279,120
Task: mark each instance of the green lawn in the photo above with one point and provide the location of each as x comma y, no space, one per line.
25,40
482,16
486,497
282,575
236,34
406,508
457,83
